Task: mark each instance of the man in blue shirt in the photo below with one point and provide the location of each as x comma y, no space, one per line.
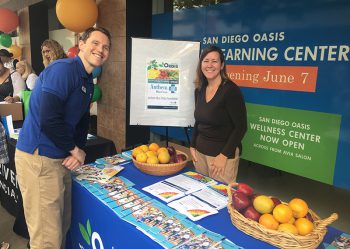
52,137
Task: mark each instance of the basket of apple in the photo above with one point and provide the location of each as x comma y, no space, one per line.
285,225
160,161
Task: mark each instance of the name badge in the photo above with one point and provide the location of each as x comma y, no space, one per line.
83,88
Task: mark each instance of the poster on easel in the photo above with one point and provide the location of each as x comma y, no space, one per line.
162,82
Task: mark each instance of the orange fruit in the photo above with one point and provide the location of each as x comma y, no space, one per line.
268,221
291,221
144,148
153,147
164,157
152,160
141,157
288,228
263,204
151,153
282,213
136,151
304,226
162,149
299,207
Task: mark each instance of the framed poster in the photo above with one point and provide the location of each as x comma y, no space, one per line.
162,82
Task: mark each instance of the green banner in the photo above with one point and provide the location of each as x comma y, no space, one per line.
300,142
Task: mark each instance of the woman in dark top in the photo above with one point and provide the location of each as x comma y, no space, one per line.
221,119
10,83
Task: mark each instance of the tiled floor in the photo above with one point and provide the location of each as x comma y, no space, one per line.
322,199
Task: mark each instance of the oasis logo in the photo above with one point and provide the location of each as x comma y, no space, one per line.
92,239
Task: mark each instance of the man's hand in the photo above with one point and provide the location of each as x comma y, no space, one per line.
79,154
71,163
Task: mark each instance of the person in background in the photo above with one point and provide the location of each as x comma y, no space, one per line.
4,245
220,119
54,132
7,59
51,50
11,84
27,74
3,159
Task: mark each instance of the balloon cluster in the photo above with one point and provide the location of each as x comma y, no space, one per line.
8,23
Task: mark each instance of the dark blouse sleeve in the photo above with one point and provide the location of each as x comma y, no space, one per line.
194,130
235,105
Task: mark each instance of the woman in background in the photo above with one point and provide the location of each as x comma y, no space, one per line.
220,119
11,84
51,50
27,74
7,59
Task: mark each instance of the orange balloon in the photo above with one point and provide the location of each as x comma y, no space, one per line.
77,15
8,20
16,51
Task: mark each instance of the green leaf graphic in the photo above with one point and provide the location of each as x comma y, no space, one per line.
88,227
84,233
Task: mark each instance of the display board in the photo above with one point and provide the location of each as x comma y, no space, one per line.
162,82
291,61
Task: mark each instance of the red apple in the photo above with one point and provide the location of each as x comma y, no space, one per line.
245,189
171,150
240,201
276,201
251,213
180,158
309,217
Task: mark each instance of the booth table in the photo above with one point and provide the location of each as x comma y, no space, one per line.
109,231
10,197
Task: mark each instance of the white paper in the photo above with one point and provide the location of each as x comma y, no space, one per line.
193,208
164,192
211,196
184,183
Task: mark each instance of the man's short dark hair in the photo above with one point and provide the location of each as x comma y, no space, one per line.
88,32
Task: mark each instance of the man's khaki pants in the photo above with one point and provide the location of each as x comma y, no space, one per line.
231,168
46,189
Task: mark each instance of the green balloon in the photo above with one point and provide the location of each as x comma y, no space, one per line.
5,40
97,93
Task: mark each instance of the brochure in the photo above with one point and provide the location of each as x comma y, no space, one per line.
184,183
164,191
193,208
213,197
341,242
117,159
199,177
203,241
117,183
226,244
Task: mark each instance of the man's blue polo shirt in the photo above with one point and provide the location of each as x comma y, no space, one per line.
71,89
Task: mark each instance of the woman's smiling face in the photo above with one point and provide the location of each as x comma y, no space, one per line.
211,65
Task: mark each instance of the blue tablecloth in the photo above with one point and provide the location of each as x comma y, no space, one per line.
109,231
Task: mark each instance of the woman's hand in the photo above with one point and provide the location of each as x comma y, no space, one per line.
10,99
193,154
217,167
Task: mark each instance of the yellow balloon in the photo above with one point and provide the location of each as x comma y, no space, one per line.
77,15
16,51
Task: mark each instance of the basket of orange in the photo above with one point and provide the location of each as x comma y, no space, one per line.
160,161
284,225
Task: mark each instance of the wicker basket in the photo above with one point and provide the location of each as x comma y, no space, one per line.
161,169
276,238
